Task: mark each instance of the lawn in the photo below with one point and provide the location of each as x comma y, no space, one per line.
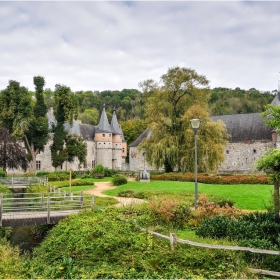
247,197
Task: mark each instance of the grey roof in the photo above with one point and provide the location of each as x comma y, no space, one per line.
115,125
245,127
88,131
146,134
276,100
104,125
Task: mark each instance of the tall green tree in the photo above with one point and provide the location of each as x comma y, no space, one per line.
181,94
37,136
25,120
65,147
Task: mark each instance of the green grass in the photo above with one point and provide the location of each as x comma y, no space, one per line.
247,197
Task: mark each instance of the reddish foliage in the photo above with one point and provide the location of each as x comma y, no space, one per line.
213,179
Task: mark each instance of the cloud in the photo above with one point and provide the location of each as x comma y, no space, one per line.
116,45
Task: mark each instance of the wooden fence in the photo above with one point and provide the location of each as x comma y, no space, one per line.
174,240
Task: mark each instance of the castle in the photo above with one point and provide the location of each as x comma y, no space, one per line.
106,145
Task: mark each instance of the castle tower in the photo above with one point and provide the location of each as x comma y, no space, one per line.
119,150
103,139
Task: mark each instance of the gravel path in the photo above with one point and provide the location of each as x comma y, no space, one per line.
100,187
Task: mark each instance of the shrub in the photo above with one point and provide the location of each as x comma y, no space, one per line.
109,172
214,179
2,173
173,212
42,173
208,209
98,169
119,180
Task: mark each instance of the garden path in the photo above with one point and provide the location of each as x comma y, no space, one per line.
100,187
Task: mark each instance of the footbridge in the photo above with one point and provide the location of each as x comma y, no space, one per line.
22,182
41,208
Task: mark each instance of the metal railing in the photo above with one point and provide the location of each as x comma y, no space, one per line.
51,203
23,181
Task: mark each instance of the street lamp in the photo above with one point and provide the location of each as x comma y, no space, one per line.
195,123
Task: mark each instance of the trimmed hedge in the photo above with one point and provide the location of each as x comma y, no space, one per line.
214,179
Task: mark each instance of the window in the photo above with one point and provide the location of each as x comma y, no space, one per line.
254,151
123,150
110,135
93,164
103,134
38,165
227,151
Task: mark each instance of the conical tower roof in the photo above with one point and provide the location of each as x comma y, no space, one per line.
114,123
104,125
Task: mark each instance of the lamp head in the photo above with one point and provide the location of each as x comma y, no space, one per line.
195,123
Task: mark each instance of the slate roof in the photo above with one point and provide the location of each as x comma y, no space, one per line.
104,125
276,100
87,131
146,134
245,127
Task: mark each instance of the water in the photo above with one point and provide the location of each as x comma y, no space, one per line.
28,237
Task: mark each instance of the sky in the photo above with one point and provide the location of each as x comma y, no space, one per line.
112,45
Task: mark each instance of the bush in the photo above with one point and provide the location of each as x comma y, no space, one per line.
214,179
2,173
119,180
98,169
172,212
109,172
42,173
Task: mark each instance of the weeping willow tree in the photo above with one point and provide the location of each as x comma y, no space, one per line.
181,94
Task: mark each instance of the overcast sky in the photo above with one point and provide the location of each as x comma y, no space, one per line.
99,45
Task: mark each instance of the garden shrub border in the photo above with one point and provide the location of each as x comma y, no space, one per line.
213,179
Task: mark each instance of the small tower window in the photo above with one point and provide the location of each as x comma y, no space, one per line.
227,151
254,151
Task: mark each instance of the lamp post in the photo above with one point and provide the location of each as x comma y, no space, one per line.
195,123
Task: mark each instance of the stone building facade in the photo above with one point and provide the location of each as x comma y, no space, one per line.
106,145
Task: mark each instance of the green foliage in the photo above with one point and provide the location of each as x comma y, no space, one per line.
2,173
73,249
183,96
109,172
58,176
4,189
12,265
119,180
226,101
98,169
42,173
38,188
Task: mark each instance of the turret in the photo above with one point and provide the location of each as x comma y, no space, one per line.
103,138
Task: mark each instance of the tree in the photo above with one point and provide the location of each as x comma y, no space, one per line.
65,147
37,135
181,95
12,154
25,120
89,116
270,163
